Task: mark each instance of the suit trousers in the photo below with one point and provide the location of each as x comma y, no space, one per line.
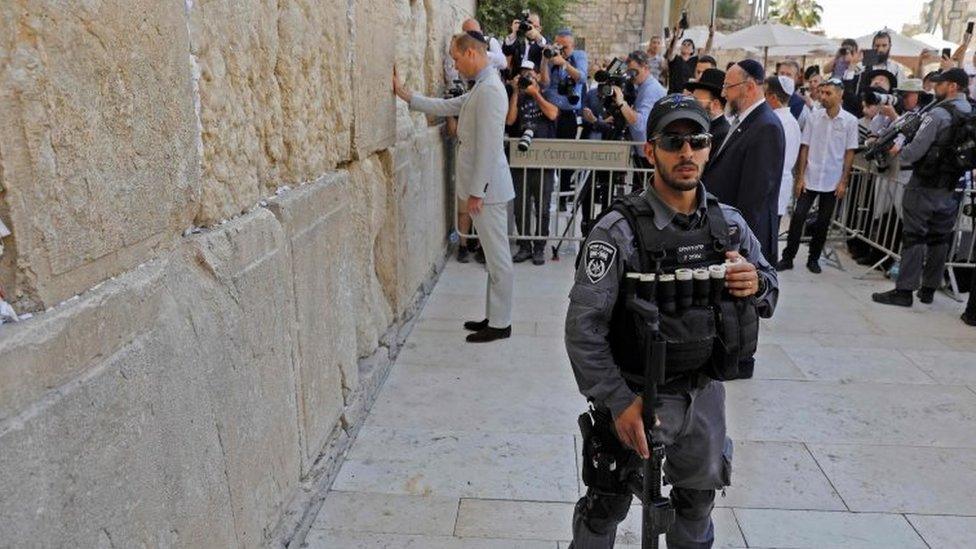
492,227
825,210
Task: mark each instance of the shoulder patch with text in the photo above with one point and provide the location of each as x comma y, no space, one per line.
599,259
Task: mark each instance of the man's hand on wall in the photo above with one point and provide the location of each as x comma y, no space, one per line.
399,89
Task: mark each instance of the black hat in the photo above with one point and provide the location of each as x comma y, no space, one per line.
955,74
753,68
892,79
671,108
711,80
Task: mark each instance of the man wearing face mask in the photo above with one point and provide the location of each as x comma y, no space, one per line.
484,181
673,225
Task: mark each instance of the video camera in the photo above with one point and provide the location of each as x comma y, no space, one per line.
616,74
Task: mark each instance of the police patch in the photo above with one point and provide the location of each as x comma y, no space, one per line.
599,259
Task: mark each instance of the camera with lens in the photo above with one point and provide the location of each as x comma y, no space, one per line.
524,81
552,50
567,88
525,141
456,89
524,24
683,22
872,98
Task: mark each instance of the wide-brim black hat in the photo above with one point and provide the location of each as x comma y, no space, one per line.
711,80
892,79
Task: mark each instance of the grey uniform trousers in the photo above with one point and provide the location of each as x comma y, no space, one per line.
928,217
698,461
492,227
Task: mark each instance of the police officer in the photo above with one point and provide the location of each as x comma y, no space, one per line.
673,224
931,203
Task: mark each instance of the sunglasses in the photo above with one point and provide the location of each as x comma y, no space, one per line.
671,142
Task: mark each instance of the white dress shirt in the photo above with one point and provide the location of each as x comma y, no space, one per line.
791,130
828,140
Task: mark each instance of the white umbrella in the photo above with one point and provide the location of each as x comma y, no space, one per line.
901,45
768,35
935,42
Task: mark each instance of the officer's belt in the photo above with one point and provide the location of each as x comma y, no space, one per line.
682,382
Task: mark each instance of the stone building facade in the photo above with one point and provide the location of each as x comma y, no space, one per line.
222,221
950,15
613,28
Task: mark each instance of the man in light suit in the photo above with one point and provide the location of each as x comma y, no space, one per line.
747,170
483,178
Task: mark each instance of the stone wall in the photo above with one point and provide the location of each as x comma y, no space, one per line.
185,387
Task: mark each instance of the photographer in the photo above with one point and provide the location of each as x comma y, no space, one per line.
526,42
649,90
531,116
682,64
810,93
930,204
564,70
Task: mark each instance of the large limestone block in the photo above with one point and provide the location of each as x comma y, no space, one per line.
318,228
275,96
239,302
373,101
125,453
374,248
98,153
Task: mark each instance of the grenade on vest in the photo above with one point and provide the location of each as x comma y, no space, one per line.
716,274
701,288
685,290
665,294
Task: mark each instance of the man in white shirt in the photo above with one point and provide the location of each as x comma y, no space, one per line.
827,148
778,91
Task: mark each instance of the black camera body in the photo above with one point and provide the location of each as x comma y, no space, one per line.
524,24
683,22
552,50
456,89
567,88
616,74
524,81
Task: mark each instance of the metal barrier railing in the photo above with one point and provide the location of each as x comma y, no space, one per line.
562,186
871,213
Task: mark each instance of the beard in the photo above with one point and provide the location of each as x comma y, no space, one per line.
883,57
677,182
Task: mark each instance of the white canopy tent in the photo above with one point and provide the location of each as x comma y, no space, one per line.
767,36
901,45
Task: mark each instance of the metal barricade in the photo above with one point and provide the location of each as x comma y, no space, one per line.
562,186
871,213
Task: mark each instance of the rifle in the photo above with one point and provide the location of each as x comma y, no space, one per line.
658,513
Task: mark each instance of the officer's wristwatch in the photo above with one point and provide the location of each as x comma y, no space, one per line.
761,283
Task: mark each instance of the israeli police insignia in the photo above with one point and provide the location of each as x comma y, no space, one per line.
599,259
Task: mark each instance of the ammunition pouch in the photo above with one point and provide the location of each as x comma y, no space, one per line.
737,338
689,334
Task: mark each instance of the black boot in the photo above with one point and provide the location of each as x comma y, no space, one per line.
524,254
926,295
813,265
901,298
463,255
784,264
489,334
969,317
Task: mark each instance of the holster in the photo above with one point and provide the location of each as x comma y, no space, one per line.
606,461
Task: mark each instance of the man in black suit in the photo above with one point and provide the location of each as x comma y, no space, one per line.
747,169
707,90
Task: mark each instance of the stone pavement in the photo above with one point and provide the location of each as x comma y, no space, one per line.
859,429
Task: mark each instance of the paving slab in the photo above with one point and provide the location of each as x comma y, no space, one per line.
727,533
851,413
772,362
460,464
328,539
876,365
430,396
514,355
387,514
823,529
945,532
775,475
901,479
947,367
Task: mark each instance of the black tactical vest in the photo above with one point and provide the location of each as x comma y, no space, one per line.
690,333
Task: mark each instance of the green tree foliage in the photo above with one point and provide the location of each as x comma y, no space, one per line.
796,13
496,15
727,9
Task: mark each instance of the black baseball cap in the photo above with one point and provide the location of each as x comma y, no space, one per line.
672,108
954,74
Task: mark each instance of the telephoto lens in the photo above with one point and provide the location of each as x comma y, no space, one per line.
685,287
645,290
665,293
525,141
716,275
700,296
